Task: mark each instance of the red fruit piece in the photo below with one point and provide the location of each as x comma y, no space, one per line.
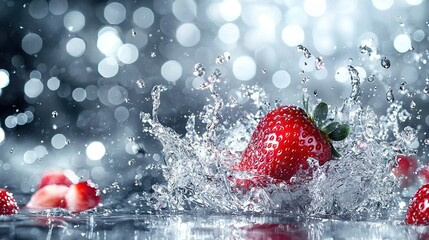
418,208
57,178
82,196
406,169
50,196
424,174
8,205
284,140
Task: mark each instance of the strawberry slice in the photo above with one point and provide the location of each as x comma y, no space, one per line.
406,170
50,196
82,196
66,178
8,205
418,209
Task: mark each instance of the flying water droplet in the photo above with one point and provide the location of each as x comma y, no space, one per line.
264,71
225,57
319,63
426,141
303,49
133,33
199,70
413,104
371,78
305,79
140,83
426,89
389,96
54,114
385,62
152,54
403,88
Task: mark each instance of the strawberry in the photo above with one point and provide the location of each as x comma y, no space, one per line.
82,196
286,138
58,178
424,174
405,170
418,208
50,196
8,205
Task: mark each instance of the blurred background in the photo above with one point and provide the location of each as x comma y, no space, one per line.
75,75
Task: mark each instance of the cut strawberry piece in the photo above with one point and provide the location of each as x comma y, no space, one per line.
65,178
406,170
50,196
418,209
8,205
82,196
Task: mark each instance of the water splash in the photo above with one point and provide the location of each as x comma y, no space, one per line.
306,52
197,168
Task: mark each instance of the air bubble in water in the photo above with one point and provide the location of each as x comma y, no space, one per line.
303,49
319,63
140,83
199,70
385,62
54,114
389,96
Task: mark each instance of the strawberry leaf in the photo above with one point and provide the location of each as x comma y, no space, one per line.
320,113
340,132
330,127
334,152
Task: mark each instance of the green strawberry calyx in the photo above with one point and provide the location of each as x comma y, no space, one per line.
332,131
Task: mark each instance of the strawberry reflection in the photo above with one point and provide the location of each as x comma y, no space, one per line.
273,232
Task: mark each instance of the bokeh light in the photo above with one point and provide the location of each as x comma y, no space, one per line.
95,151
74,21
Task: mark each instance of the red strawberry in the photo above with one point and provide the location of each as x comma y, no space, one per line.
286,137
8,205
58,178
424,174
50,196
418,209
82,196
406,169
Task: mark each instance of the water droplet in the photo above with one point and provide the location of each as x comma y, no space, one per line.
385,62
54,114
413,104
140,83
303,49
225,57
152,54
389,96
426,141
264,70
319,63
426,90
131,162
403,88
133,33
315,93
305,79
371,78
199,70
127,100
11,150
131,139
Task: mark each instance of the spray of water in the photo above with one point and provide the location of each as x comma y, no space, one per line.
197,166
